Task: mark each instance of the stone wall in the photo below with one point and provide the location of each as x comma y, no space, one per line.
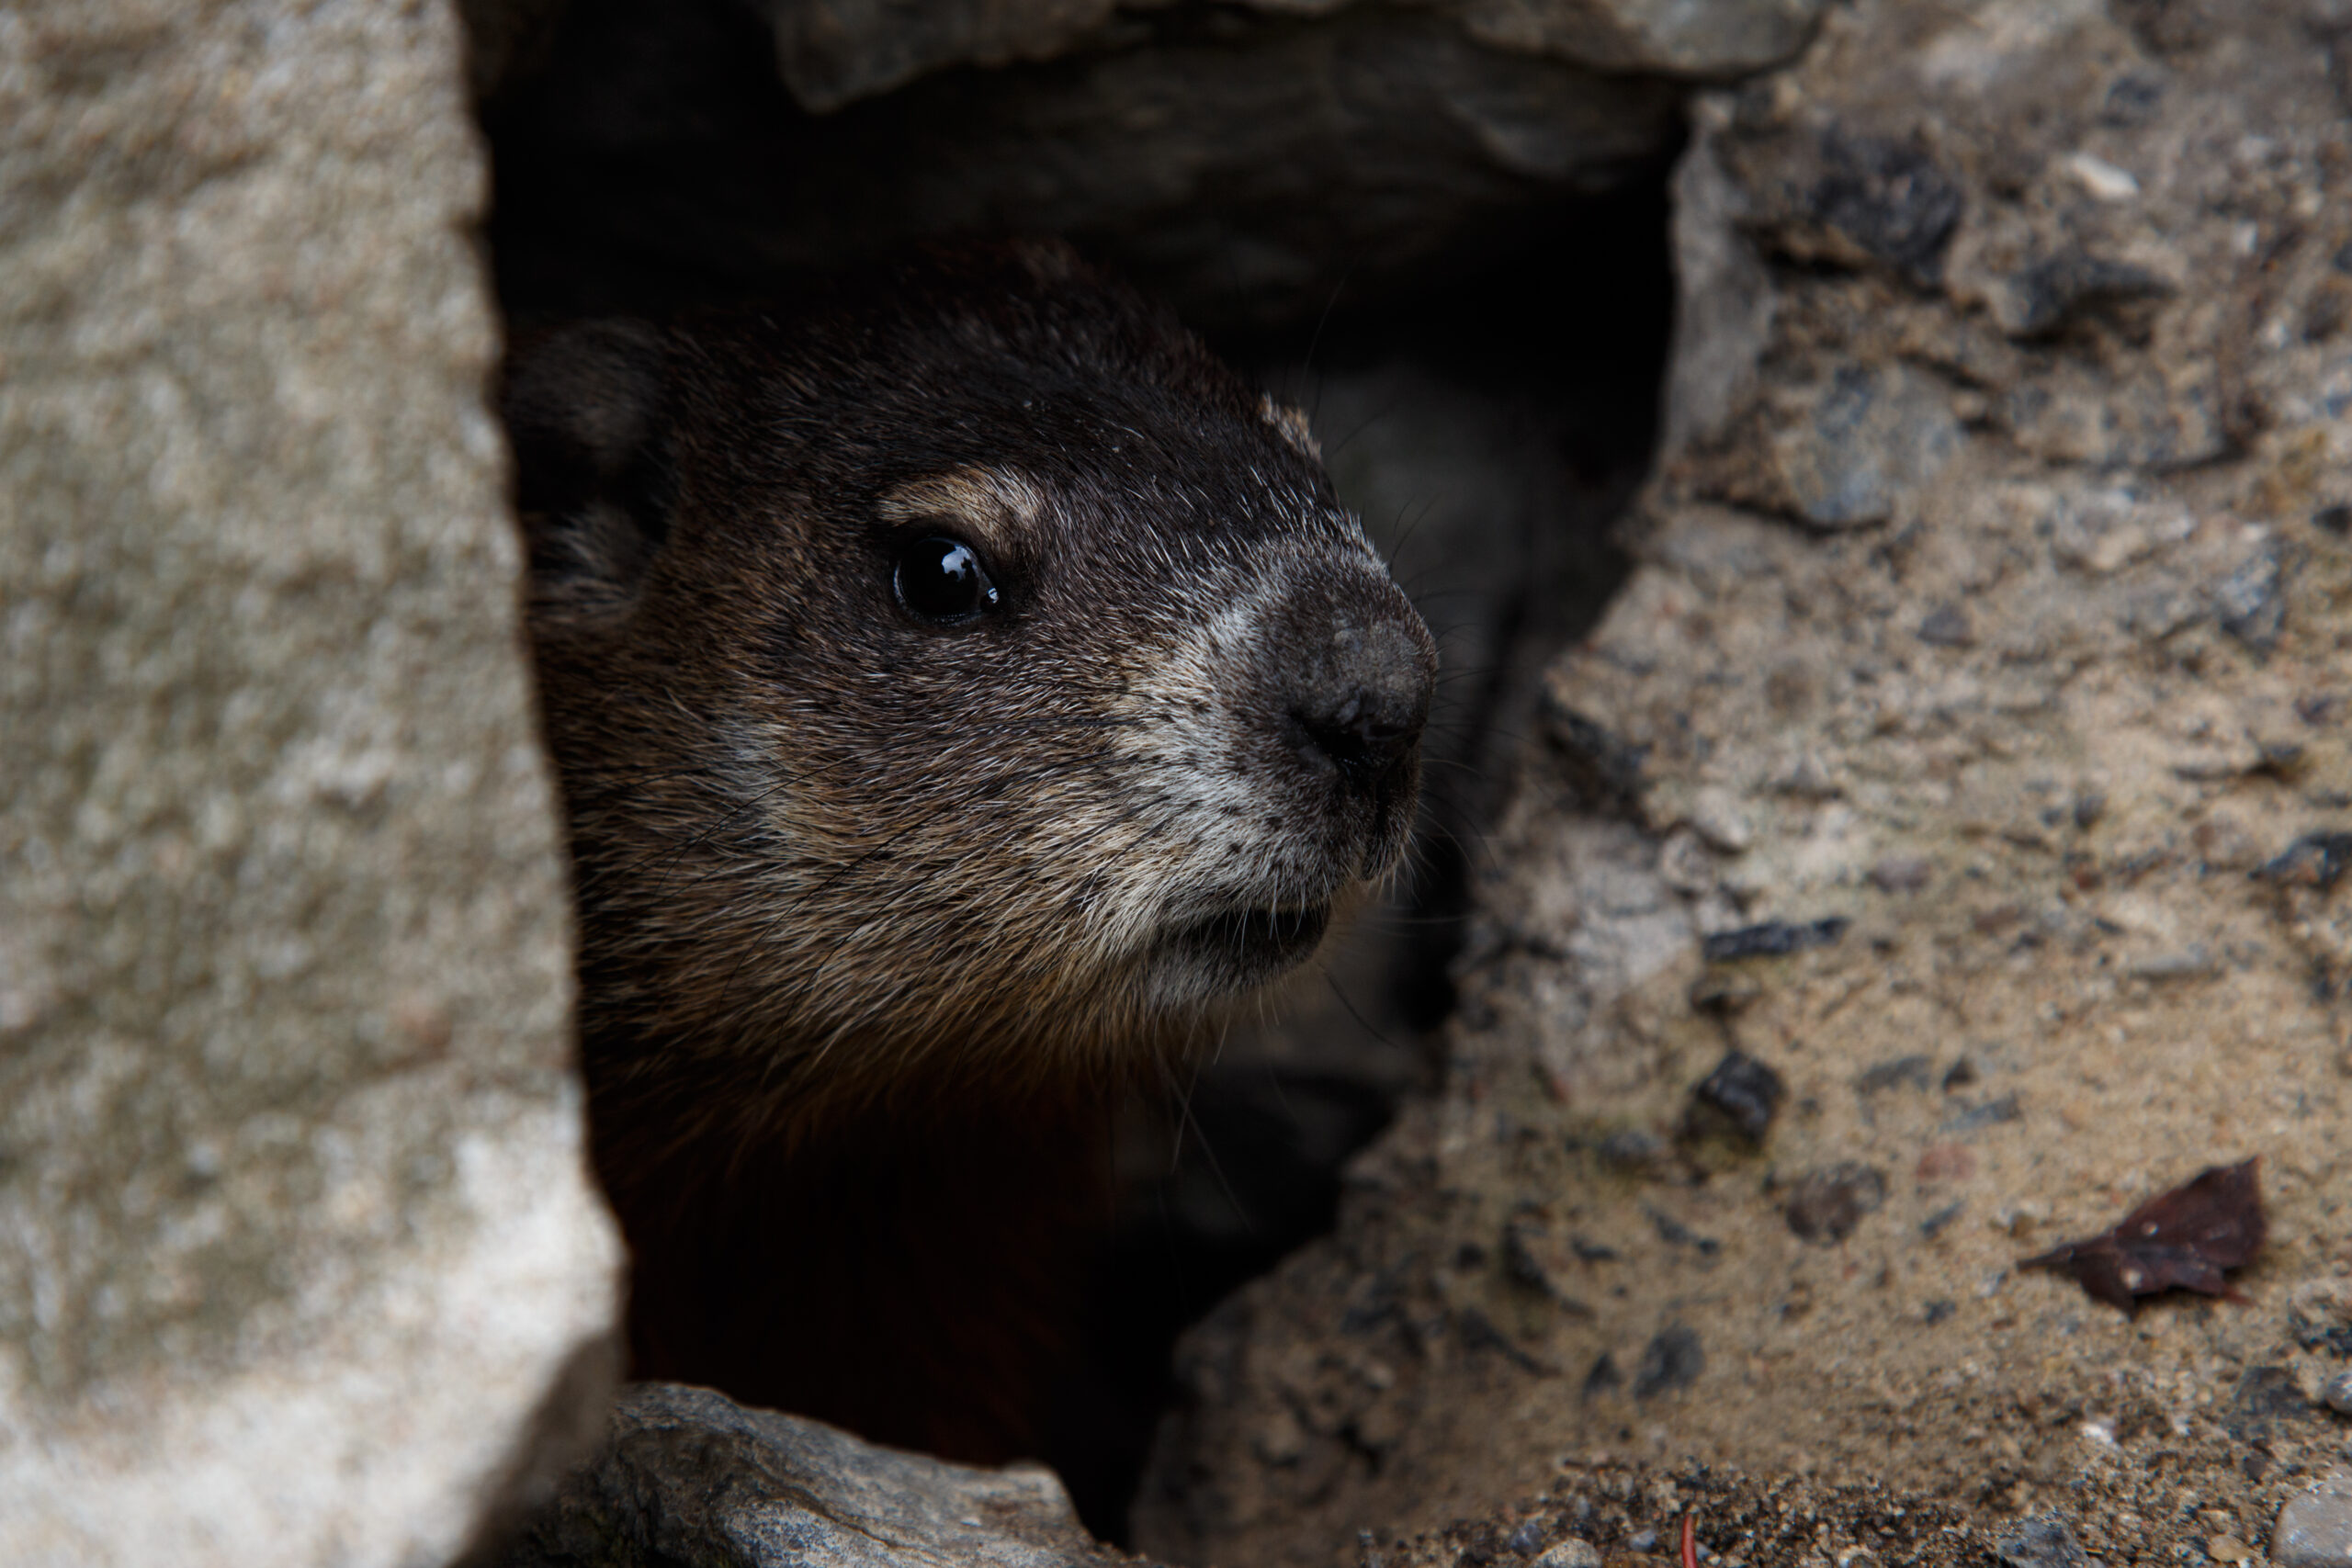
302,1264
1958,794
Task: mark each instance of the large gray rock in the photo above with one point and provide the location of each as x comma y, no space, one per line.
832,53
2315,1528
688,1475
300,1262
1242,170
1243,160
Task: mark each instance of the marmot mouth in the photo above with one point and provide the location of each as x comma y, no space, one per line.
1247,946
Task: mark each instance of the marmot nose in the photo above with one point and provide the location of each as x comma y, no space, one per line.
1359,702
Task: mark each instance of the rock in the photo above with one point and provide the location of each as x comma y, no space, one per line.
1672,1360
2315,860
1742,1092
1902,874
303,1264
831,54
2042,1542
1846,196
2314,1529
2265,1399
1773,939
1631,1151
686,1474
2336,1393
2249,602
1911,1071
1946,626
1990,1113
1826,1206
1570,1553
1244,169
2319,1316
1714,38
2107,531
2051,293
1717,816
1871,440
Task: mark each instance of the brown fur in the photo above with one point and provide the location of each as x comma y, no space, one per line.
875,917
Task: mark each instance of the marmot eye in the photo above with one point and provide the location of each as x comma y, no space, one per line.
941,579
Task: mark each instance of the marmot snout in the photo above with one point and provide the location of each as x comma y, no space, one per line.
960,691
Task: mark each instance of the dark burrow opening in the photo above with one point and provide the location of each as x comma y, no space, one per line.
1480,358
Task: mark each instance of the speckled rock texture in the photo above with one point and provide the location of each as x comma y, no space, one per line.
687,1475
1968,749
301,1263
2315,1528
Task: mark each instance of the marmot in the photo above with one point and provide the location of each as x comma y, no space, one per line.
963,689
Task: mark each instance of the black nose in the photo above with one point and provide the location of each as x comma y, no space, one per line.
1359,695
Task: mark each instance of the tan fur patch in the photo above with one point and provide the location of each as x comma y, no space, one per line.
1290,424
995,506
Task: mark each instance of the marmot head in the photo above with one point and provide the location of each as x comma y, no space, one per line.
968,670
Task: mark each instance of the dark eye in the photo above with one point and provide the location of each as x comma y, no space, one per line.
941,581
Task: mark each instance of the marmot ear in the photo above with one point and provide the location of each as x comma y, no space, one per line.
585,409
1290,424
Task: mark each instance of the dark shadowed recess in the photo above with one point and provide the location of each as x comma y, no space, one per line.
1534,355
1486,401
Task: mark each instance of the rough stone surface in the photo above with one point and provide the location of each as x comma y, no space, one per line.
1677,38
687,1475
2042,1542
2034,314
1243,165
2315,1528
301,1265
832,53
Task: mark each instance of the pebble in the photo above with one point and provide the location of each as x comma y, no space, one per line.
1744,1092
2336,1394
2316,1527
1826,1206
1634,1153
1570,1553
2042,1542
2316,860
1716,817
1901,873
1673,1359
2102,179
1947,627
1772,939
